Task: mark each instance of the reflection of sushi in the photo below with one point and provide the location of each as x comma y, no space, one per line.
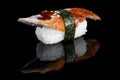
64,24
49,52
56,51
52,58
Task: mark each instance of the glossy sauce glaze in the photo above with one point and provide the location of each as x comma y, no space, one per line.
45,15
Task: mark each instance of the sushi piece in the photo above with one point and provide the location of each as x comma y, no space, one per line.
64,24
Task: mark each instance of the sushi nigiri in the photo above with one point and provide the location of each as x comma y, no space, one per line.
64,24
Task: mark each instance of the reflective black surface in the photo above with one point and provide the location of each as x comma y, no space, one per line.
20,48
54,57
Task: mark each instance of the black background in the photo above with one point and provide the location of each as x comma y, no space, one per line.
21,46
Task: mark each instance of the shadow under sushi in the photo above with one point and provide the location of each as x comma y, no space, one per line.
54,57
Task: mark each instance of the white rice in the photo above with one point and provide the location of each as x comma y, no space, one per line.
50,36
